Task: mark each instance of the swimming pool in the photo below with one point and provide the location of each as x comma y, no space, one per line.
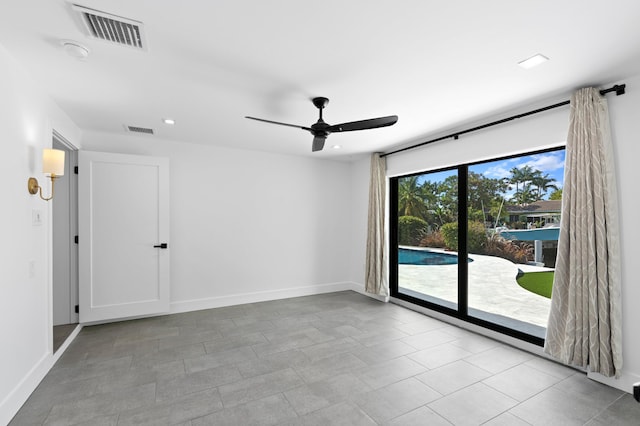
425,257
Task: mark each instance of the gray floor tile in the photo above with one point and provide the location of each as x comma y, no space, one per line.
331,359
190,383
452,377
395,400
308,398
550,367
428,339
594,393
625,411
419,417
440,355
165,371
234,342
383,352
87,371
330,348
271,410
420,325
474,343
555,407
108,420
253,388
521,382
329,367
184,339
175,411
216,359
167,355
82,410
472,405
499,359
389,372
341,414
506,419
274,362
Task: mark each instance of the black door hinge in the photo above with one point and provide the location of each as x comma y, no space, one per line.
75,239
77,309
75,170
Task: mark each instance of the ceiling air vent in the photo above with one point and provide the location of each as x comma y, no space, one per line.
112,28
136,129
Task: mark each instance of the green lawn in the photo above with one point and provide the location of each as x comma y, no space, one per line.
537,282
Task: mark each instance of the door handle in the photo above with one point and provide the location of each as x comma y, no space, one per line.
162,246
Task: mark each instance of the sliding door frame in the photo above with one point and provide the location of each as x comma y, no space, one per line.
462,311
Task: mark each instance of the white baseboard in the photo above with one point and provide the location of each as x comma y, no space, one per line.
19,395
624,382
359,288
259,296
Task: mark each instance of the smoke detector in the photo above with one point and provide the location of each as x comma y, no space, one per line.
75,49
112,28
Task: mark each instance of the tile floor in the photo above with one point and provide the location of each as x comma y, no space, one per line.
332,359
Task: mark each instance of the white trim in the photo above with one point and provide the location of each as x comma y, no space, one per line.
625,382
359,288
260,296
18,396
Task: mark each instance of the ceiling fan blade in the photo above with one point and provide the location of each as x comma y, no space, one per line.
318,143
277,122
372,123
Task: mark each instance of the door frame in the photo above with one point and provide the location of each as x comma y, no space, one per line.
71,154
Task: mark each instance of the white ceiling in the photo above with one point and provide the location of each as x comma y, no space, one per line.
211,62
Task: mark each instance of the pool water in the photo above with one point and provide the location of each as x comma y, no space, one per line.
425,257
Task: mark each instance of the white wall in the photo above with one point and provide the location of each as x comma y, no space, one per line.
27,119
543,131
245,225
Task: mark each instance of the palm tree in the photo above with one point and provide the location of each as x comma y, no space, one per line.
525,196
516,177
543,183
411,198
556,194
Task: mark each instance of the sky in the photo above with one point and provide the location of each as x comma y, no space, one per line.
551,163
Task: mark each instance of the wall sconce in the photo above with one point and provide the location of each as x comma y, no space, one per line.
52,164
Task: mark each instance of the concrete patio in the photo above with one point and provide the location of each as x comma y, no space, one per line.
494,294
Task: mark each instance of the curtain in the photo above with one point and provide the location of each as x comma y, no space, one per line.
376,262
584,326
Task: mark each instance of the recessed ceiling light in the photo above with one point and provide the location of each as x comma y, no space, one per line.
336,147
533,61
169,121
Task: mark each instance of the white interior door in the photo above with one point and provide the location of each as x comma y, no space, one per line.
123,235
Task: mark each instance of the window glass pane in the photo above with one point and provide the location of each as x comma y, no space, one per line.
427,238
513,206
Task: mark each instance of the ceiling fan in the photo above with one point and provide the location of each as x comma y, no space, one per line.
320,130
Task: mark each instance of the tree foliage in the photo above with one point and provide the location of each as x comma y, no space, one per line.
411,230
476,236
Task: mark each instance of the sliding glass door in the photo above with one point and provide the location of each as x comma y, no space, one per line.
478,241
426,270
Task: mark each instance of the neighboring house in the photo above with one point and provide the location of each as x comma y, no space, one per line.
539,214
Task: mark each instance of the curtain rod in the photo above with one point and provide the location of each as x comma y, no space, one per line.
618,88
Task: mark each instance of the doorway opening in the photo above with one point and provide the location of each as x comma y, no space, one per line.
65,248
